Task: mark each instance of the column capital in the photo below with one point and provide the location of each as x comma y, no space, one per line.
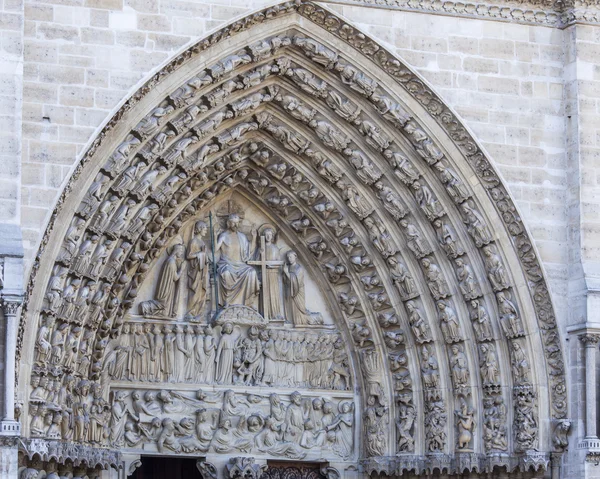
589,340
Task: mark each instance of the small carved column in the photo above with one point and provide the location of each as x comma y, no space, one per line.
10,306
590,342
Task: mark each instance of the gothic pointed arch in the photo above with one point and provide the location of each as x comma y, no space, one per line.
410,330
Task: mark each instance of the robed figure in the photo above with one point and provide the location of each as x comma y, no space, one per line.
293,275
197,270
238,281
168,290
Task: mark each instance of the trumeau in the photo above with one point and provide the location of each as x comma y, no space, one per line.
365,254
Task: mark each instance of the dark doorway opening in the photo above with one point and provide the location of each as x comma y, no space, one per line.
167,468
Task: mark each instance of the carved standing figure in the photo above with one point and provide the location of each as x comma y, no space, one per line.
293,274
197,271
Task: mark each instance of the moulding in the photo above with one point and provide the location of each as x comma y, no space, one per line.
550,13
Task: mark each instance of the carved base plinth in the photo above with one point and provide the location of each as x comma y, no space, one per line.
460,463
10,428
591,447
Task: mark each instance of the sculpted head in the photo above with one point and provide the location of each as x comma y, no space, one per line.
269,235
292,257
233,222
200,228
295,398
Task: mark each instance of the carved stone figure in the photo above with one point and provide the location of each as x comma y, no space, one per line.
169,287
454,185
429,369
418,323
481,321
509,315
423,144
403,280
197,271
495,269
306,80
488,363
435,280
293,274
355,79
447,238
342,106
448,322
375,420
379,235
466,280
329,134
520,364
390,110
427,201
297,109
355,200
404,427
391,201
459,366
465,424
403,167
225,355
372,370
476,225
375,136
229,64
366,170
416,243
317,52
238,281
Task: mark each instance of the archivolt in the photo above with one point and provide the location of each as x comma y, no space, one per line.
377,179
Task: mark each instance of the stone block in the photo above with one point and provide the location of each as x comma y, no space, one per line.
61,74
480,65
493,84
154,23
76,96
141,60
40,52
89,117
97,36
131,39
105,4
463,45
164,42
49,152
40,92
99,18
57,32
493,48
429,44
96,78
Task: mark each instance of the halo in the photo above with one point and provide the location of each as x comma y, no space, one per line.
266,226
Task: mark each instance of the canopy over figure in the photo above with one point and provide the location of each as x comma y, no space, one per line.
238,281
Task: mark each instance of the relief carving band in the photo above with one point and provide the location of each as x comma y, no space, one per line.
288,426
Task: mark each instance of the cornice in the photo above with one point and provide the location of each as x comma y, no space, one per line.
550,13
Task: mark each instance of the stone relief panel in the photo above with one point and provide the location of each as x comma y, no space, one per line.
227,421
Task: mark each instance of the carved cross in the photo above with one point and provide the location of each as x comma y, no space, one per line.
264,263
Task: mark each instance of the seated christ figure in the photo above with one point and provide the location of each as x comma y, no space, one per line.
238,281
